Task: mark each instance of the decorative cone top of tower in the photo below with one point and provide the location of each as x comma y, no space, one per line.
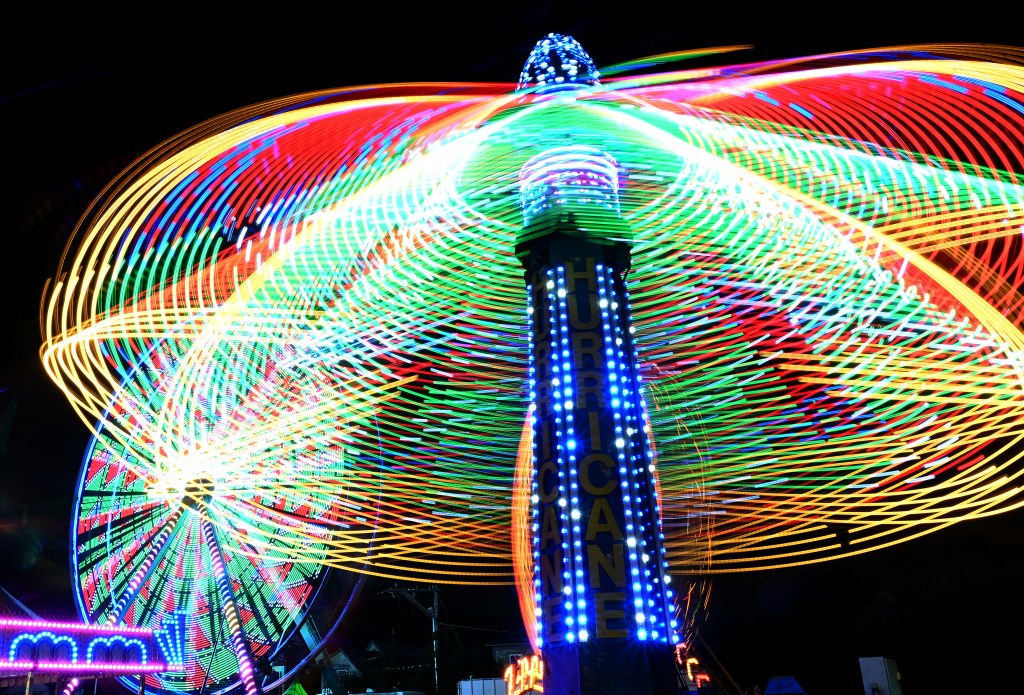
557,62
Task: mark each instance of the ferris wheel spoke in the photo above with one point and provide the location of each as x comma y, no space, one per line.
159,545
263,612
93,542
238,639
129,518
280,589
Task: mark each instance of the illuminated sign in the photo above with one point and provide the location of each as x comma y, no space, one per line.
43,646
526,675
694,676
600,571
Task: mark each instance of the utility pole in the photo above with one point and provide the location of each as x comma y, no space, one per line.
410,595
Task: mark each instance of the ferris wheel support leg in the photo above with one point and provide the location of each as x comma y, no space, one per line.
238,641
158,547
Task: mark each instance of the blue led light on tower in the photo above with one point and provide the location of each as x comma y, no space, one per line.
600,576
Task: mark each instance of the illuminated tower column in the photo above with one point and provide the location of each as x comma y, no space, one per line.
606,617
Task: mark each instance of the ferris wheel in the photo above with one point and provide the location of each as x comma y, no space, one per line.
158,533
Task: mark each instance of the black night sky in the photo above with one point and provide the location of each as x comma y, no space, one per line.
85,94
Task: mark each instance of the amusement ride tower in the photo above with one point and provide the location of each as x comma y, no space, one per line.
605,608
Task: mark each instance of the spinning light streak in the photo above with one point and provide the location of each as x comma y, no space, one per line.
314,305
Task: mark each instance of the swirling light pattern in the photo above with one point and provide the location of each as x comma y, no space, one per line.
314,304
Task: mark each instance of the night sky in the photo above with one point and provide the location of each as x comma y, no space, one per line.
86,94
